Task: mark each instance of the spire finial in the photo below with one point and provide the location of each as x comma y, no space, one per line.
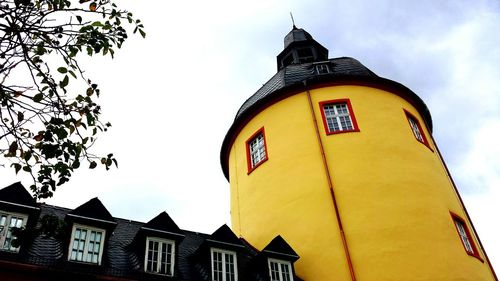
293,22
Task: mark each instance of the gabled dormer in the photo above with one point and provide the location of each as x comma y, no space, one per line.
275,261
91,225
17,208
218,255
157,243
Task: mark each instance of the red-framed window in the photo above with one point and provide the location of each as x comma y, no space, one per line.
416,128
465,236
338,116
256,150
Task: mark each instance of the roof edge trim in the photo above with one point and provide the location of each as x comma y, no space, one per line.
89,218
20,205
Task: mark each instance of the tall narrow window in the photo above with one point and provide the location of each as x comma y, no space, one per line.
280,270
338,116
416,128
86,244
256,150
223,265
159,256
7,223
465,237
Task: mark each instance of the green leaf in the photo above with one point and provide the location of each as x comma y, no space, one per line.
72,73
143,34
20,116
38,97
97,24
64,82
62,69
17,167
93,164
13,148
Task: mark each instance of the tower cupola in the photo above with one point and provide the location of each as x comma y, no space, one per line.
300,47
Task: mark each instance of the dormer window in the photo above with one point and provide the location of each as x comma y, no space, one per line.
322,68
8,221
86,244
224,267
280,270
159,256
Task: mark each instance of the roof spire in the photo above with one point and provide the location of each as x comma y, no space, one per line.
293,21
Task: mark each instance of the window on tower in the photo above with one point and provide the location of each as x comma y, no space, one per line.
256,150
465,236
280,270
223,265
417,130
338,116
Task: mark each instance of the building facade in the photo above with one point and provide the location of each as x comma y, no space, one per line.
342,164
40,242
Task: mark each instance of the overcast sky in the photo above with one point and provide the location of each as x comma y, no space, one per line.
172,97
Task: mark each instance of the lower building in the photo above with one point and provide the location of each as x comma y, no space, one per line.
40,242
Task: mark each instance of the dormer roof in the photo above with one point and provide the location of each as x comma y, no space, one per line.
279,247
18,195
225,236
93,210
162,225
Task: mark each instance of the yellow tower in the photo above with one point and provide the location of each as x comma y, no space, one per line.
343,165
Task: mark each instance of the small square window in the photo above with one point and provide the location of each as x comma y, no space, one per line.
417,130
224,267
160,256
322,68
338,116
86,244
280,270
256,150
8,221
465,236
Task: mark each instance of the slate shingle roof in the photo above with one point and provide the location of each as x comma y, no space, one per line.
123,255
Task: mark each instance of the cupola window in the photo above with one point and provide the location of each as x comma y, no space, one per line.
280,270
8,221
256,150
224,266
338,116
305,55
86,244
159,256
417,130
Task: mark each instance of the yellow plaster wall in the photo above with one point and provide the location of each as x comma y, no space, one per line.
392,191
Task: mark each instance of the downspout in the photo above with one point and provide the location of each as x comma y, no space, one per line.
463,206
330,185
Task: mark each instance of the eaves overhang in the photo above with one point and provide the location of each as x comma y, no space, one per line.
318,81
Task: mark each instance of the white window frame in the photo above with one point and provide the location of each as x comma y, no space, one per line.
89,229
280,264
322,68
337,116
6,230
462,232
161,243
415,129
224,254
257,149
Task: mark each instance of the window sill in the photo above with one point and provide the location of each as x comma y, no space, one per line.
341,132
250,170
